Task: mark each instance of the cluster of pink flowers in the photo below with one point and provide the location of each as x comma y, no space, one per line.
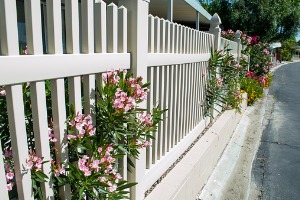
219,82
229,34
145,119
34,162
266,51
246,40
237,94
122,102
57,168
51,135
105,163
238,66
112,76
125,99
3,91
144,144
9,168
229,63
255,39
136,90
84,126
250,74
263,79
87,165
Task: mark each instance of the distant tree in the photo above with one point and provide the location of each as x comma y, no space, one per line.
222,7
287,49
256,17
288,19
272,20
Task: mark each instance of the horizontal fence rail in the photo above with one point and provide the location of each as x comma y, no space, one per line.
233,46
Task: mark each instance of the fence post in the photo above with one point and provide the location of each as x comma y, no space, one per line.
138,47
237,39
215,30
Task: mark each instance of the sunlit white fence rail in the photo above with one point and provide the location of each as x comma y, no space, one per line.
174,58
225,43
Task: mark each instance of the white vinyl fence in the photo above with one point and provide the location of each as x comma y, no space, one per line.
225,43
174,58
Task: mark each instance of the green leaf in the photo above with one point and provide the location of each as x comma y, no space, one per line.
41,175
81,192
128,185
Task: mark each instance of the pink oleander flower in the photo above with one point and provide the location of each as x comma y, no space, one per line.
122,102
71,137
83,124
9,186
109,148
229,63
7,167
110,159
219,82
111,77
238,66
8,152
118,176
3,91
112,188
237,94
266,51
145,119
102,179
10,175
95,165
249,40
57,168
34,162
51,135
250,74
58,172
143,144
230,31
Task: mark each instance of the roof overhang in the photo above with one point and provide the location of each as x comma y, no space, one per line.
275,45
183,11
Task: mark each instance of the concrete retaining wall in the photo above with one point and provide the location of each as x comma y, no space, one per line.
189,176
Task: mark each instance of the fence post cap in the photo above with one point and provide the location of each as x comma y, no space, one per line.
238,34
215,21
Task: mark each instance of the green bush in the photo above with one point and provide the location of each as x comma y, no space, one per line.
253,88
286,55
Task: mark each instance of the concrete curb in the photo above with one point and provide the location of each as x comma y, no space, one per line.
224,169
217,181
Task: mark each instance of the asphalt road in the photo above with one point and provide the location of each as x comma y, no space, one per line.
276,169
